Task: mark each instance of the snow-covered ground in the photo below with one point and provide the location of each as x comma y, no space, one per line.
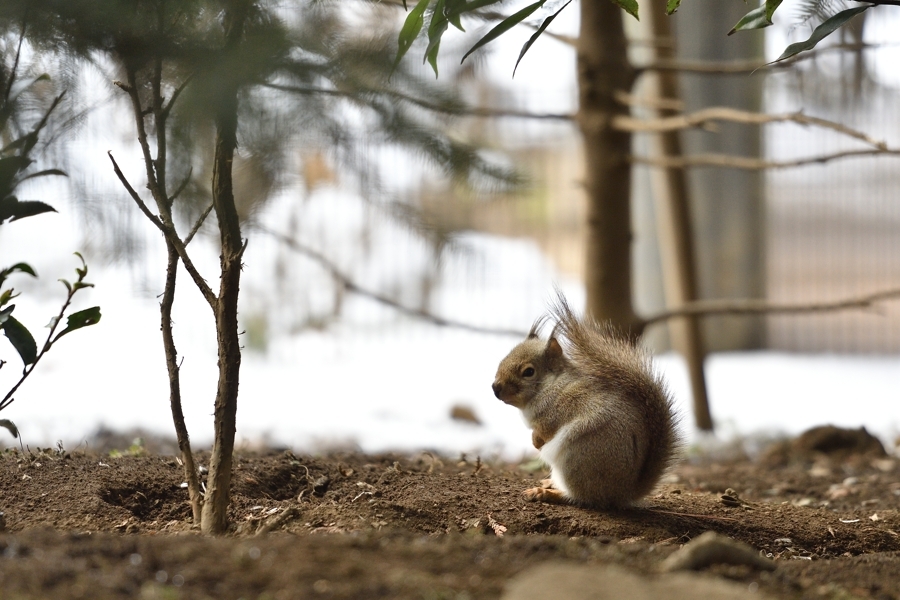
388,383
394,390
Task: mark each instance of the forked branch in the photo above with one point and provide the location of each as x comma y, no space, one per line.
749,163
706,117
170,234
757,306
348,284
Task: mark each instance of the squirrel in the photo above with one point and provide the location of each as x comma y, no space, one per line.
600,416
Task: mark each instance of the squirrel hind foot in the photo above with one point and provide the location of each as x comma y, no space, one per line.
545,494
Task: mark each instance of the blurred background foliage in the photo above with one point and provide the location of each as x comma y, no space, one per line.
322,98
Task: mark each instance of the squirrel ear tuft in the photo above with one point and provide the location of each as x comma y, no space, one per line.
536,327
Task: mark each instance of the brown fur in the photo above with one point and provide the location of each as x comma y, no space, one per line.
599,392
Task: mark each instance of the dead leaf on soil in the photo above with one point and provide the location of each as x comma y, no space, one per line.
499,529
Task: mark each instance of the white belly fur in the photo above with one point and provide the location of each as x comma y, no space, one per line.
550,454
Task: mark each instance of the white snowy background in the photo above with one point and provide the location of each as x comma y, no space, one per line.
375,380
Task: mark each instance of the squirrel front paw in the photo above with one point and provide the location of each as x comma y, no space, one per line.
545,494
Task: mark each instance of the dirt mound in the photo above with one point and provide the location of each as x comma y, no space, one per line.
422,526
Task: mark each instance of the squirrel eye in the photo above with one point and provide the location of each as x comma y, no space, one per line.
528,372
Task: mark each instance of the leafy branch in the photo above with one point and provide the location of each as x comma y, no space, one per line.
15,161
22,340
446,12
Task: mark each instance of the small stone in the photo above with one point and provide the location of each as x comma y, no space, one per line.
784,541
321,484
711,548
838,442
611,582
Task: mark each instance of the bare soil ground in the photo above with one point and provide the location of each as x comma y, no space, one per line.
87,525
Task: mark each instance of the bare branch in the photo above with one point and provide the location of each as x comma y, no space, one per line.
138,111
733,67
135,196
739,67
703,118
201,284
462,111
748,163
168,107
183,185
349,285
623,97
756,306
198,224
170,234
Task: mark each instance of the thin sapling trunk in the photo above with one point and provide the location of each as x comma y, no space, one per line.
215,520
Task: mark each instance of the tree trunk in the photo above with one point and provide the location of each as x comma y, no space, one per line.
603,69
727,205
215,518
675,229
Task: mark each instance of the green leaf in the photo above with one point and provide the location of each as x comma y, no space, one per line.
431,56
436,29
10,167
453,10
476,4
771,6
10,427
21,340
410,30
537,33
504,26
21,267
822,31
6,296
630,6
672,6
83,318
45,173
26,143
755,19
4,314
13,209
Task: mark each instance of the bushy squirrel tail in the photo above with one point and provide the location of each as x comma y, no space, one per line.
614,362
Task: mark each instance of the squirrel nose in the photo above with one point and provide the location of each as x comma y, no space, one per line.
496,387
